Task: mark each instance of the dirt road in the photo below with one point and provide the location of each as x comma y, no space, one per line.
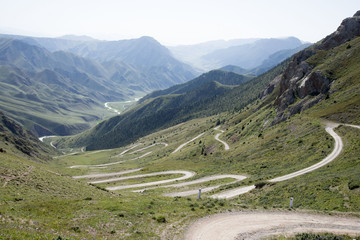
257,225
227,147
183,145
186,174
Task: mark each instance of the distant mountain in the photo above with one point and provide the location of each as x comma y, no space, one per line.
78,38
244,53
191,54
273,60
235,69
52,93
153,63
276,58
251,55
37,75
225,78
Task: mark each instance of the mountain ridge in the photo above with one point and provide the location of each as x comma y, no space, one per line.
74,80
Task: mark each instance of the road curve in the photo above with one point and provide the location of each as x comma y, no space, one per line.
227,147
99,175
119,155
186,174
201,180
183,145
197,181
258,225
338,146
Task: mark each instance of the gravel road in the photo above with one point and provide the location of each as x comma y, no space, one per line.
257,225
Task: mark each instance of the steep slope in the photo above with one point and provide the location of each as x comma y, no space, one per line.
215,75
204,96
145,54
283,83
36,202
40,89
145,64
311,73
14,136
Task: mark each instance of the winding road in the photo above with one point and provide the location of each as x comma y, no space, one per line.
258,225
338,146
184,144
186,174
227,147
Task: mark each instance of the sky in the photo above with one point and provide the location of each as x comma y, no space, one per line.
175,22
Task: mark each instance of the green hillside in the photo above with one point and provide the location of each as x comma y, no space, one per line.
52,90
266,127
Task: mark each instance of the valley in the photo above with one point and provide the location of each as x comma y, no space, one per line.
271,153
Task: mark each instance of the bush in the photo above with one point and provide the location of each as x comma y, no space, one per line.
260,185
324,236
353,184
161,219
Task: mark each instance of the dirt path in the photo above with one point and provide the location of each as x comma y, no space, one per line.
186,174
257,225
338,146
227,147
98,175
183,145
197,181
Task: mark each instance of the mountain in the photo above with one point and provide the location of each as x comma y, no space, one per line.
83,38
24,141
250,55
52,93
245,53
313,72
58,92
291,80
275,59
158,69
162,109
191,54
234,69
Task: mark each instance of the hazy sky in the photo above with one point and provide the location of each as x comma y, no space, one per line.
176,22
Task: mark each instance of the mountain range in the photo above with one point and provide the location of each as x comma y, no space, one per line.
48,85
218,91
297,122
254,55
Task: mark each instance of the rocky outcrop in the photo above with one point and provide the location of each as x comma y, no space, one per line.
301,86
349,28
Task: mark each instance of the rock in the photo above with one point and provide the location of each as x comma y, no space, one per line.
270,87
300,86
349,28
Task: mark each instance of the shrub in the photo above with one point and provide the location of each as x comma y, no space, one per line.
260,185
161,219
353,184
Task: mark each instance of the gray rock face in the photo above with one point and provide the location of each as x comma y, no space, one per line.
300,86
313,84
349,28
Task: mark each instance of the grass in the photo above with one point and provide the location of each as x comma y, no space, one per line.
43,204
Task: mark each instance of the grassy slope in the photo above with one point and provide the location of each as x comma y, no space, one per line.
167,110
257,150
